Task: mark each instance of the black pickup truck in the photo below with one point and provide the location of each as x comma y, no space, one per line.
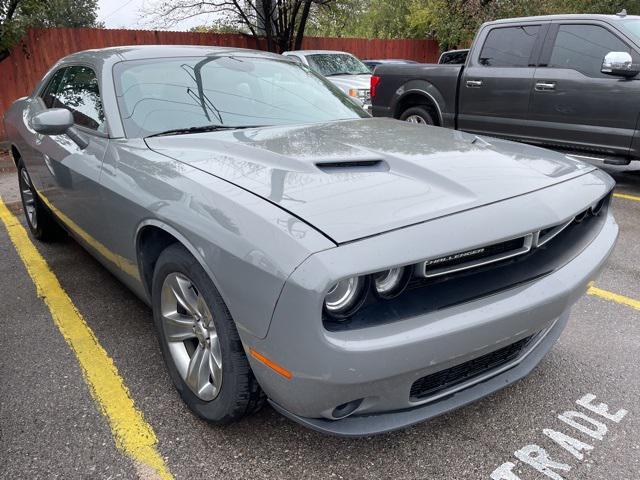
564,81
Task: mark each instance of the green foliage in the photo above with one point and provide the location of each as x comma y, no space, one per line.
341,18
221,27
361,18
452,22
16,16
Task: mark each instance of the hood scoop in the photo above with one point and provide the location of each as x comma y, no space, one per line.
344,166
354,179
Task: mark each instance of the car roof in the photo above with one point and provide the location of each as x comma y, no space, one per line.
389,60
314,52
139,52
578,16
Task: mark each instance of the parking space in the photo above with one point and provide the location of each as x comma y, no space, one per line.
52,427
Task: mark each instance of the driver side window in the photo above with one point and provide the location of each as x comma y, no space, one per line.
583,47
76,89
48,95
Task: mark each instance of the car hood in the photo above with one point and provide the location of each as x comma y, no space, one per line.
357,178
346,82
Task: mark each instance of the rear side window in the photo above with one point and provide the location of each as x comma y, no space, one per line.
48,95
453,58
80,94
509,46
583,47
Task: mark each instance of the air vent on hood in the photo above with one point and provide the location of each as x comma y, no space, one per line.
353,166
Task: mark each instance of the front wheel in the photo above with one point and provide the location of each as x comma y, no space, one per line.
418,115
199,341
39,219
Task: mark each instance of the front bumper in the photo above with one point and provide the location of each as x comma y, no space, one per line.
379,364
376,423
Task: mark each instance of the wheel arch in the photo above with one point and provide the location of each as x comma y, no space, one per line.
152,238
15,154
419,92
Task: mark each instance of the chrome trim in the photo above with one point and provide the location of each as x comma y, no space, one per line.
534,343
526,247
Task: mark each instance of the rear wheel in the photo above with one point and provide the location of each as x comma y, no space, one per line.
199,341
39,219
419,115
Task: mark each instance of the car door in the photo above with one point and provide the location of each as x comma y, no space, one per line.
573,104
68,176
496,83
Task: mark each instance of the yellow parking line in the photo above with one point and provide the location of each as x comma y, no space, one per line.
614,297
132,434
627,196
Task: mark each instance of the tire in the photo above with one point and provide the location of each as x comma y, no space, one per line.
40,220
185,300
419,115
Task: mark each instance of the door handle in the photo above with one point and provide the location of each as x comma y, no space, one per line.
474,83
545,86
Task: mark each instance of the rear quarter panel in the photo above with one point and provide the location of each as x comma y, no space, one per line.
439,83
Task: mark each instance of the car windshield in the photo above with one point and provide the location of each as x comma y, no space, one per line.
166,94
632,27
329,64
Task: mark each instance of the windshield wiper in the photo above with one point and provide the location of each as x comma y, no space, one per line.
204,128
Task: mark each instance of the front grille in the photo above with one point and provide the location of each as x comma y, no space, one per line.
436,382
487,270
479,256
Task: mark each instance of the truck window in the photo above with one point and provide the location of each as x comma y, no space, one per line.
509,46
583,47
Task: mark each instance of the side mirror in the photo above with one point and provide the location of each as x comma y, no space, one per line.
57,121
54,121
619,64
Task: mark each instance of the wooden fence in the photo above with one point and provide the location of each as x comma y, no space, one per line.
41,48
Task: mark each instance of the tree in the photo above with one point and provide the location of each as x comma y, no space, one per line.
340,18
16,16
454,22
281,23
362,18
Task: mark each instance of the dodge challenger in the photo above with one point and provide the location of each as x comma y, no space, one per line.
357,273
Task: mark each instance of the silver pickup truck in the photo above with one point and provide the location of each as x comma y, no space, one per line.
564,81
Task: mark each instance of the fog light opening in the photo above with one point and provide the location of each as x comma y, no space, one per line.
346,409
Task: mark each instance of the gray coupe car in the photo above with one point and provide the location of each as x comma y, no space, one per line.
360,274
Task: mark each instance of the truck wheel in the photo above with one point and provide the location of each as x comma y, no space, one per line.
419,115
199,341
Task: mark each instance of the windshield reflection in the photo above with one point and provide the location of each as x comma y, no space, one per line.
168,94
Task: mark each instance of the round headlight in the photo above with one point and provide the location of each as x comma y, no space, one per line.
597,208
345,297
581,216
390,283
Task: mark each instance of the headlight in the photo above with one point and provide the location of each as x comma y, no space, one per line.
346,296
390,283
360,93
597,208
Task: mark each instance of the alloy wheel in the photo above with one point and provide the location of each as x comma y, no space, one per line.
416,119
28,198
191,335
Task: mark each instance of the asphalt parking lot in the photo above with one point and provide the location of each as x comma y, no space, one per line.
52,427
